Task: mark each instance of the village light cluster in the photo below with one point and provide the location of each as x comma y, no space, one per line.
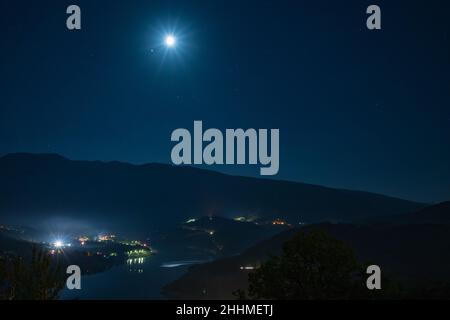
59,244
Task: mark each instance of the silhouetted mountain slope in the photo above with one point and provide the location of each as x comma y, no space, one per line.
415,254
37,187
435,214
11,244
213,237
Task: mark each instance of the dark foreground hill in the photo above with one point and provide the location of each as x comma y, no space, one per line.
412,254
140,197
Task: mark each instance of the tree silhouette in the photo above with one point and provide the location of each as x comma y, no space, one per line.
37,279
312,265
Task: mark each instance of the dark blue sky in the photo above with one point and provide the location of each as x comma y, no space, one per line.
356,109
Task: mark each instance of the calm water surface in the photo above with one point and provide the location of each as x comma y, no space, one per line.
140,278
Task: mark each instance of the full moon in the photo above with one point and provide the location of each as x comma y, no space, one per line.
170,41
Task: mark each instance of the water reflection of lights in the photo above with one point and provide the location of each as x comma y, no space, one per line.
177,264
135,265
136,261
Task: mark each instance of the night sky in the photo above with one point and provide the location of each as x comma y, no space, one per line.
357,109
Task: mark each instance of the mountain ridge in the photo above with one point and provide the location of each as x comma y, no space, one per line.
42,185
57,156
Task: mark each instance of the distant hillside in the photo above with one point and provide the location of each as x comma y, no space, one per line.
140,197
435,214
213,237
11,244
412,253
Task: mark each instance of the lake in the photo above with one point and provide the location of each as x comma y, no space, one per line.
139,278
